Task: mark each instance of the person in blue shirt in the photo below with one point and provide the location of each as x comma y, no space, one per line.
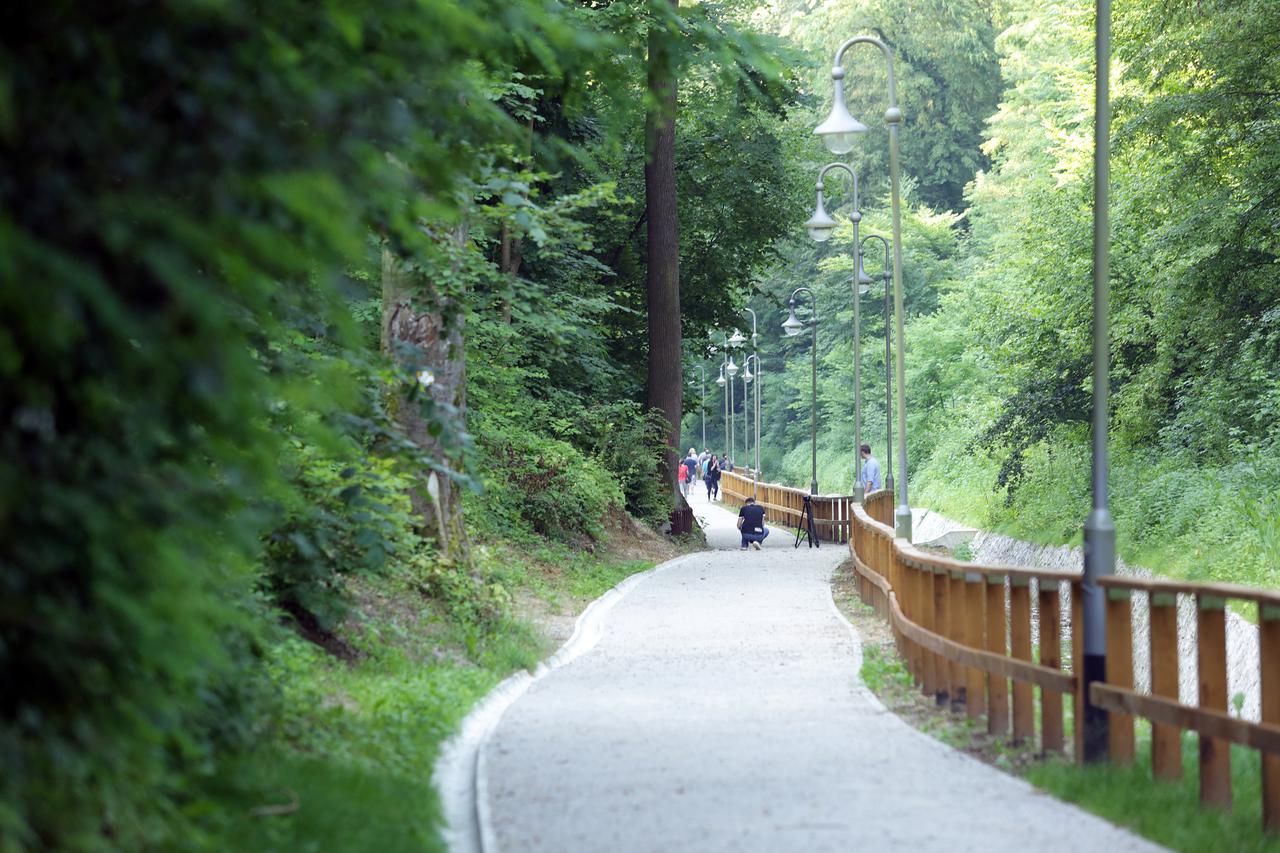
869,479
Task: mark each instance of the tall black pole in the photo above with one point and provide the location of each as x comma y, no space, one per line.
813,406
888,388
1099,529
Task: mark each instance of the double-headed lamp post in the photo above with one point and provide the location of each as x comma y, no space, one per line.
820,227
722,382
758,377
747,376
702,371
839,132
886,274
794,326
730,371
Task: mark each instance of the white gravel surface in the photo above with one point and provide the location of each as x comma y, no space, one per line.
720,709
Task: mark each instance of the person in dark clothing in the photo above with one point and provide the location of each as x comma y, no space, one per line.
751,523
712,478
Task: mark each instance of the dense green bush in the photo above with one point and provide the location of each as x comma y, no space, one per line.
544,486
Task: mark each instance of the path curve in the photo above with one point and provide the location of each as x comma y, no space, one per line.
721,709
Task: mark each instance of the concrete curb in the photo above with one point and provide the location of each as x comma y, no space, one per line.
459,773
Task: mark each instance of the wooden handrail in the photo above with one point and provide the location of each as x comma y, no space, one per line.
1235,591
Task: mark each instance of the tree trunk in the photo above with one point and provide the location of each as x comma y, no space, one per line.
665,382
415,336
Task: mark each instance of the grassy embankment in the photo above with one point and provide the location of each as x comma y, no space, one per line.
359,731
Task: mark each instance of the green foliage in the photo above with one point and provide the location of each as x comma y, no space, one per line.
342,517
545,486
196,178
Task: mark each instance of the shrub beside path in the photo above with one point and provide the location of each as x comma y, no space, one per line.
721,709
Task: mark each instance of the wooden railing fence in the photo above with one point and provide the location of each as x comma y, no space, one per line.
832,514
966,632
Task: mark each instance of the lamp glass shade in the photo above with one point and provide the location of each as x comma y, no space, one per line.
820,226
840,131
720,380
747,375
731,369
793,326
863,278
863,289
736,339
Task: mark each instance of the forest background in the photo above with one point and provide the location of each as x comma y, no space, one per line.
326,343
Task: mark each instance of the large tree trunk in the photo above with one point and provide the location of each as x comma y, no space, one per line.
665,383
414,334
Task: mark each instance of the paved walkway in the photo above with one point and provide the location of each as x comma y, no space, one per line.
721,710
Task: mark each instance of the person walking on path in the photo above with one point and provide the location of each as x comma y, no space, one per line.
751,523
869,479
712,478
690,464
682,477
702,462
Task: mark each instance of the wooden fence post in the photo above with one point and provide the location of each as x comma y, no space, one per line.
997,685
975,694
1024,724
1051,733
955,631
1166,740
1269,657
1120,670
1215,754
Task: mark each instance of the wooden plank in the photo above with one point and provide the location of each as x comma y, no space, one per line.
956,602
1269,657
1077,669
1024,725
928,620
975,688
997,684
1166,740
1217,724
915,594
1120,671
1215,753
990,662
1217,590
1051,656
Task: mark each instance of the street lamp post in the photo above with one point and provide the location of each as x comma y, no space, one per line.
721,382
840,132
747,376
1099,528
886,274
755,354
820,227
702,370
732,342
758,374
793,326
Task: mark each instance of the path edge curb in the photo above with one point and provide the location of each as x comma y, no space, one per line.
459,772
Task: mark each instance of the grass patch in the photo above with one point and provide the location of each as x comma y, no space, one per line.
349,762
882,669
1166,812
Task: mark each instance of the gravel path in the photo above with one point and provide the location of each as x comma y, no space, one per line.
721,710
